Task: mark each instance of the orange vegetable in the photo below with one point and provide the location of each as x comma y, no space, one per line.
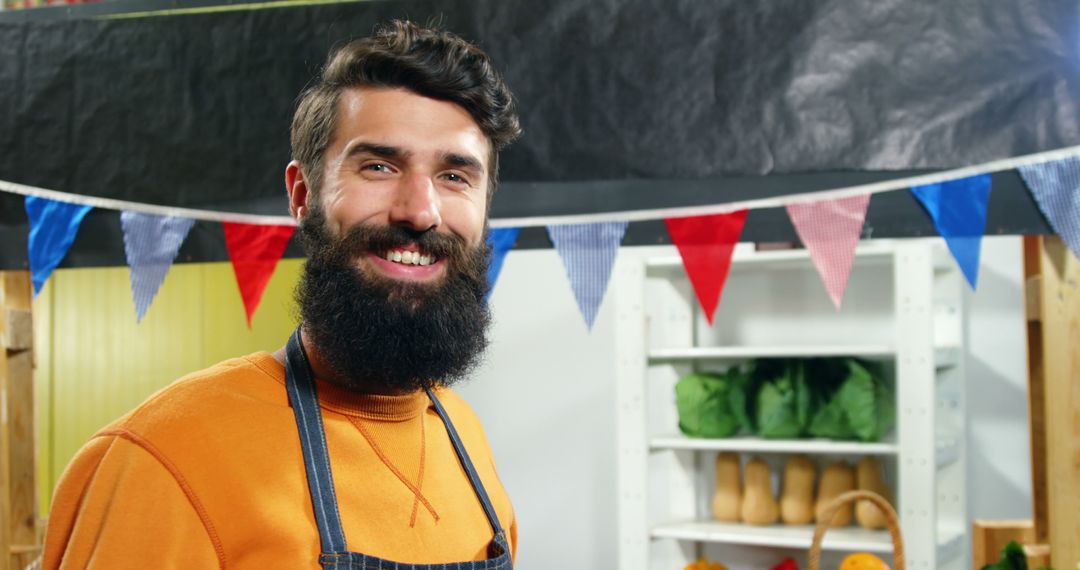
868,477
727,501
759,506
863,561
835,480
705,565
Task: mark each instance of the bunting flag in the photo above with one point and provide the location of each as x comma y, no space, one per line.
150,245
53,226
706,244
830,230
501,241
255,251
958,208
588,253
1056,188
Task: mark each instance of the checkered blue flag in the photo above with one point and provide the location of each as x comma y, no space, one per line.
151,244
588,253
1056,188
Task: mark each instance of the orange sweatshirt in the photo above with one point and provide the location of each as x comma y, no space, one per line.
208,473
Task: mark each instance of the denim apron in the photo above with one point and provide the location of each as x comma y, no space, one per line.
305,403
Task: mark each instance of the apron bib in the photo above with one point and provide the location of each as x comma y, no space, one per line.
334,554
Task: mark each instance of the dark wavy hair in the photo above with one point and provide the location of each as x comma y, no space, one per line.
429,62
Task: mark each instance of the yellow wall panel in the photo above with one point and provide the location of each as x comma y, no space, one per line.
96,363
42,313
225,332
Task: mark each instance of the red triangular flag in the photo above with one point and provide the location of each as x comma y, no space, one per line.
255,251
830,230
706,244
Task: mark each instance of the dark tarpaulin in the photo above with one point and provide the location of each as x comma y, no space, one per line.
626,104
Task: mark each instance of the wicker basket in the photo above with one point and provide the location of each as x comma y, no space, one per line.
891,519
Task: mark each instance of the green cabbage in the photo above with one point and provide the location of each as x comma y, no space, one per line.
860,408
783,404
704,406
836,398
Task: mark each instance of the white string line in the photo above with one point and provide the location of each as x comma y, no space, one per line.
799,198
125,205
620,216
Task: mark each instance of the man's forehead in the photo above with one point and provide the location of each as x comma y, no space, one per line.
400,119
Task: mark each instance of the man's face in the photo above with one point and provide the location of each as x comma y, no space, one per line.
393,291
401,159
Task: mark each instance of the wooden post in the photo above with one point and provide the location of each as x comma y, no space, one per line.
1054,366
18,499
1033,309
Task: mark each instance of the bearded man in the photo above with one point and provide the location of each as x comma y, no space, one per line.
346,448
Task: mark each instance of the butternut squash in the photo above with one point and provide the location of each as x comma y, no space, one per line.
869,479
836,479
727,500
797,494
759,505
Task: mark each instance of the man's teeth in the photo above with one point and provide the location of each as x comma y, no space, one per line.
409,257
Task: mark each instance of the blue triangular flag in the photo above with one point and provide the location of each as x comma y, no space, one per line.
150,244
1056,188
53,226
501,241
588,252
958,208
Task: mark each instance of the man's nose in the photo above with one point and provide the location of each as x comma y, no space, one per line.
416,204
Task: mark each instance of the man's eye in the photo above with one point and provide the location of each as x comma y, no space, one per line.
452,177
377,167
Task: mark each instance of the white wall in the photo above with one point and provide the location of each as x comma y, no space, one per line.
546,396
999,458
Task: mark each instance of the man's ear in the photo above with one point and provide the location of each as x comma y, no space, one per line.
296,186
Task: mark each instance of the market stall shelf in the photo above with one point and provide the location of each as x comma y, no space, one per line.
903,309
751,444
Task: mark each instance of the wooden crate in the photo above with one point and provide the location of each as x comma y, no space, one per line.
989,538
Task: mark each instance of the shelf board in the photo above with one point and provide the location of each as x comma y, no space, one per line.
851,538
746,352
777,536
944,357
760,445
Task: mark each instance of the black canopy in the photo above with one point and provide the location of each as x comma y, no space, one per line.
626,104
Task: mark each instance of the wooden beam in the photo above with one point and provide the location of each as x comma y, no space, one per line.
1061,362
1054,353
19,423
1033,292
16,326
18,499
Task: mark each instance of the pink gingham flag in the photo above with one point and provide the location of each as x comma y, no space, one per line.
830,230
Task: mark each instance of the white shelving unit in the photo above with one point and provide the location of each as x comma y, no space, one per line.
903,305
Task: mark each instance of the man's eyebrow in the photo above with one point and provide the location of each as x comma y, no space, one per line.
463,161
385,151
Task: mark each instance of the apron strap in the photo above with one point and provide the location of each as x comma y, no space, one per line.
466,462
305,404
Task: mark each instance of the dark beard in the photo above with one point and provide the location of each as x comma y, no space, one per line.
382,335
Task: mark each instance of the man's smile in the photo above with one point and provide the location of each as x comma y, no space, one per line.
407,264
